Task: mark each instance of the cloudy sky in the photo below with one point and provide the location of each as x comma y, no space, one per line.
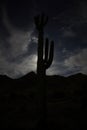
67,26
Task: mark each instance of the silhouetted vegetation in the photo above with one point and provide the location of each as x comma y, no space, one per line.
44,60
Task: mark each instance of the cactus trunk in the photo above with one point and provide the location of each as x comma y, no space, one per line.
40,70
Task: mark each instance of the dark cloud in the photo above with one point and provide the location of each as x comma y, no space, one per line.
67,26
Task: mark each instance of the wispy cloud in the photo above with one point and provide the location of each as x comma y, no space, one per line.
19,40
78,60
14,48
16,70
74,63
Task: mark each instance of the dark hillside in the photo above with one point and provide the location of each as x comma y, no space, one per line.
20,99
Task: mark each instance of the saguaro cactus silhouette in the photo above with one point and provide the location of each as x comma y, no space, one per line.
45,58
45,53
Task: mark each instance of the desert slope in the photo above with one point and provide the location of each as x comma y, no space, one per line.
20,102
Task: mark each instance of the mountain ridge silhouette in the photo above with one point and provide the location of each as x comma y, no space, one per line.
52,80
33,74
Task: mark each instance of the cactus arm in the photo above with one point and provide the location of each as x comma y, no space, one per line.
40,22
36,19
44,19
46,50
51,54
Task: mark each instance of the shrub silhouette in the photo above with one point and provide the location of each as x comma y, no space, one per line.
43,50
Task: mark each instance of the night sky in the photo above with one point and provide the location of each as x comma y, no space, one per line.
67,26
